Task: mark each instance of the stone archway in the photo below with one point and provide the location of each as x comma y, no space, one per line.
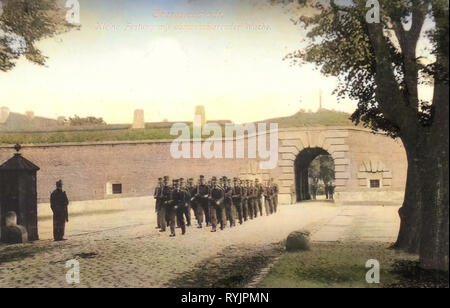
293,142
301,165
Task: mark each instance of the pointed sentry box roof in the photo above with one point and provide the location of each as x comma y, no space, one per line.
19,163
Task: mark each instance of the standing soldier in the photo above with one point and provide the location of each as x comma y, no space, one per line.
176,208
268,198
158,199
331,191
202,202
216,198
228,201
59,203
259,193
237,199
275,191
187,208
314,188
165,200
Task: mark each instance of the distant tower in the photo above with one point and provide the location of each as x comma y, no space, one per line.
4,114
200,112
138,122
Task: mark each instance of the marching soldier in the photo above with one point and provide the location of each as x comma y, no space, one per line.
259,193
165,201
59,203
202,202
245,193
250,199
268,198
237,199
187,208
216,198
228,202
192,191
158,199
176,207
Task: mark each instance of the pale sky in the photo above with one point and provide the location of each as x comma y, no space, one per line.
108,69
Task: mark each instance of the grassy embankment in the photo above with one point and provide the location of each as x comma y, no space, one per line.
300,119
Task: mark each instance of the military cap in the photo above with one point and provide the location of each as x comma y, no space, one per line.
59,183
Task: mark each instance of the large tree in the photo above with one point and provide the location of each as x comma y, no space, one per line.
378,65
23,23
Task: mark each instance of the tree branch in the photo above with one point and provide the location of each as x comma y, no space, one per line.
408,41
391,99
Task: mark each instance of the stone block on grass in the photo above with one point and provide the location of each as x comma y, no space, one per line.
298,241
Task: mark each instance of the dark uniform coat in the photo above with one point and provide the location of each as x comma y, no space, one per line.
59,203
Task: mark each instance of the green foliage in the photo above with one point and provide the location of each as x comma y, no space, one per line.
322,168
23,23
376,64
91,121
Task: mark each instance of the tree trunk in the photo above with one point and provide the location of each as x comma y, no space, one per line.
410,213
435,215
434,248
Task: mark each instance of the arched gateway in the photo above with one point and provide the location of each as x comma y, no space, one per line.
350,148
301,165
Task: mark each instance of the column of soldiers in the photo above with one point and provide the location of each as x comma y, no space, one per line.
215,203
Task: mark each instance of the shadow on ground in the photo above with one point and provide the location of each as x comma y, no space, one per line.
234,267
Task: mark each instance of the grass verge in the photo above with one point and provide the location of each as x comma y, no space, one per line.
337,265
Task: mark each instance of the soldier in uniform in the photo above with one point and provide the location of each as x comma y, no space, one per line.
237,199
244,200
216,198
59,203
250,199
275,191
332,189
176,207
202,202
259,193
314,188
187,208
192,190
165,200
228,202
268,198
158,199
